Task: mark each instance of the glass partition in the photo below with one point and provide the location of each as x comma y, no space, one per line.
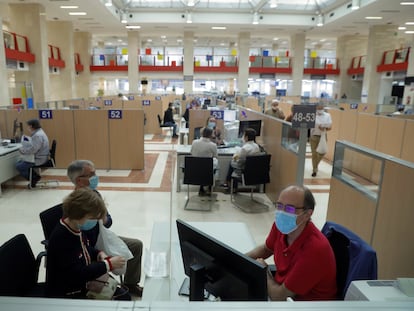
359,167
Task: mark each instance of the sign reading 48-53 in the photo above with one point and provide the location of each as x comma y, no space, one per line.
304,116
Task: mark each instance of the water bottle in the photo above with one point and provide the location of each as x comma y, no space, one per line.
185,139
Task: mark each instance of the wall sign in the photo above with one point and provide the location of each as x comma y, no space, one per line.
304,116
115,114
107,102
146,102
217,114
45,114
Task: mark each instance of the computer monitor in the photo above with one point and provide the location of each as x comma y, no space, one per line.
254,124
221,270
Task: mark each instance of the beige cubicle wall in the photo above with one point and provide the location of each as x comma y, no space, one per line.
89,134
384,219
407,147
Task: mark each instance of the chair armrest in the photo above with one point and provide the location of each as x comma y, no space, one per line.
45,243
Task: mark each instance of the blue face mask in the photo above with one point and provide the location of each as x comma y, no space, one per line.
88,225
211,125
285,222
93,182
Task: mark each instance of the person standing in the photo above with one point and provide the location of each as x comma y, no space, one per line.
204,147
323,123
38,146
83,175
275,110
305,262
169,119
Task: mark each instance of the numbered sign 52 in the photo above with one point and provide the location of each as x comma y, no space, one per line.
114,114
45,114
217,114
304,116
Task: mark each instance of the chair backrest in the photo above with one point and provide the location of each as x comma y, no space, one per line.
355,259
19,269
50,218
198,171
53,152
256,169
159,120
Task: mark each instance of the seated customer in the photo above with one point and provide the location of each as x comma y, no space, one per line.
204,147
83,175
216,134
169,119
71,260
304,259
37,146
239,158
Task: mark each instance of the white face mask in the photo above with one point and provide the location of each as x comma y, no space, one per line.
319,111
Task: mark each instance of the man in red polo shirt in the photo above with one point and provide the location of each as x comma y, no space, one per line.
305,262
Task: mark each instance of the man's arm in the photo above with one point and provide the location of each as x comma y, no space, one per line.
260,251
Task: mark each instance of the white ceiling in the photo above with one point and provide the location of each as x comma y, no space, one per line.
159,18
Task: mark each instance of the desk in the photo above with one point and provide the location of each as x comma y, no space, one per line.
8,158
224,158
376,290
235,234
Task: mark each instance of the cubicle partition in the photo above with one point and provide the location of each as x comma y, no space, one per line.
111,141
380,211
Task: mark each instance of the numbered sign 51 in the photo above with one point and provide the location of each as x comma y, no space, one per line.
114,114
304,116
217,114
45,114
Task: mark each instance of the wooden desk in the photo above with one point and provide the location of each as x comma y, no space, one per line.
8,158
224,158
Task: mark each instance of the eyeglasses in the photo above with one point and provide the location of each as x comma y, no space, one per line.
288,208
89,175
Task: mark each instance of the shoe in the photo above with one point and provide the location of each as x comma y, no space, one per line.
135,289
175,136
314,174
224,186
202,193
35,180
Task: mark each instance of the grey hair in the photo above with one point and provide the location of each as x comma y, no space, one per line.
75,169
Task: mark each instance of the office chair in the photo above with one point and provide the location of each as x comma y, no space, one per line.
355,259
49,219
19,269
50,163
255,172
199,171
162,125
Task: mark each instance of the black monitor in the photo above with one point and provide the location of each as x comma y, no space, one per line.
254,124
221,270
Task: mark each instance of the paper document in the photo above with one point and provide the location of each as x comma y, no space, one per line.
155,264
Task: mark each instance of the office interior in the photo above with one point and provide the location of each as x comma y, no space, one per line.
76,83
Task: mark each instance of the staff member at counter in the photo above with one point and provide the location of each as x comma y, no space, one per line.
34,150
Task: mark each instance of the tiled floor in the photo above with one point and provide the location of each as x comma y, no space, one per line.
137,199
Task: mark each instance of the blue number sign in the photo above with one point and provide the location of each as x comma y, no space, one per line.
115,114
217,114
45,114
107,102
146,102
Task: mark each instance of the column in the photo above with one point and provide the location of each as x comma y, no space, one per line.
4,83
297,52
243,74
380,39
188,69
62,85
82,46
134,43
30,20
408,98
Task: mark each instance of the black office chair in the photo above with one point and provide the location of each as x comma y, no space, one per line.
49,219
50,163
19,269
162,125
355,259
254,173
199,171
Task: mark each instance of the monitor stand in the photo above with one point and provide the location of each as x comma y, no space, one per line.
197,281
